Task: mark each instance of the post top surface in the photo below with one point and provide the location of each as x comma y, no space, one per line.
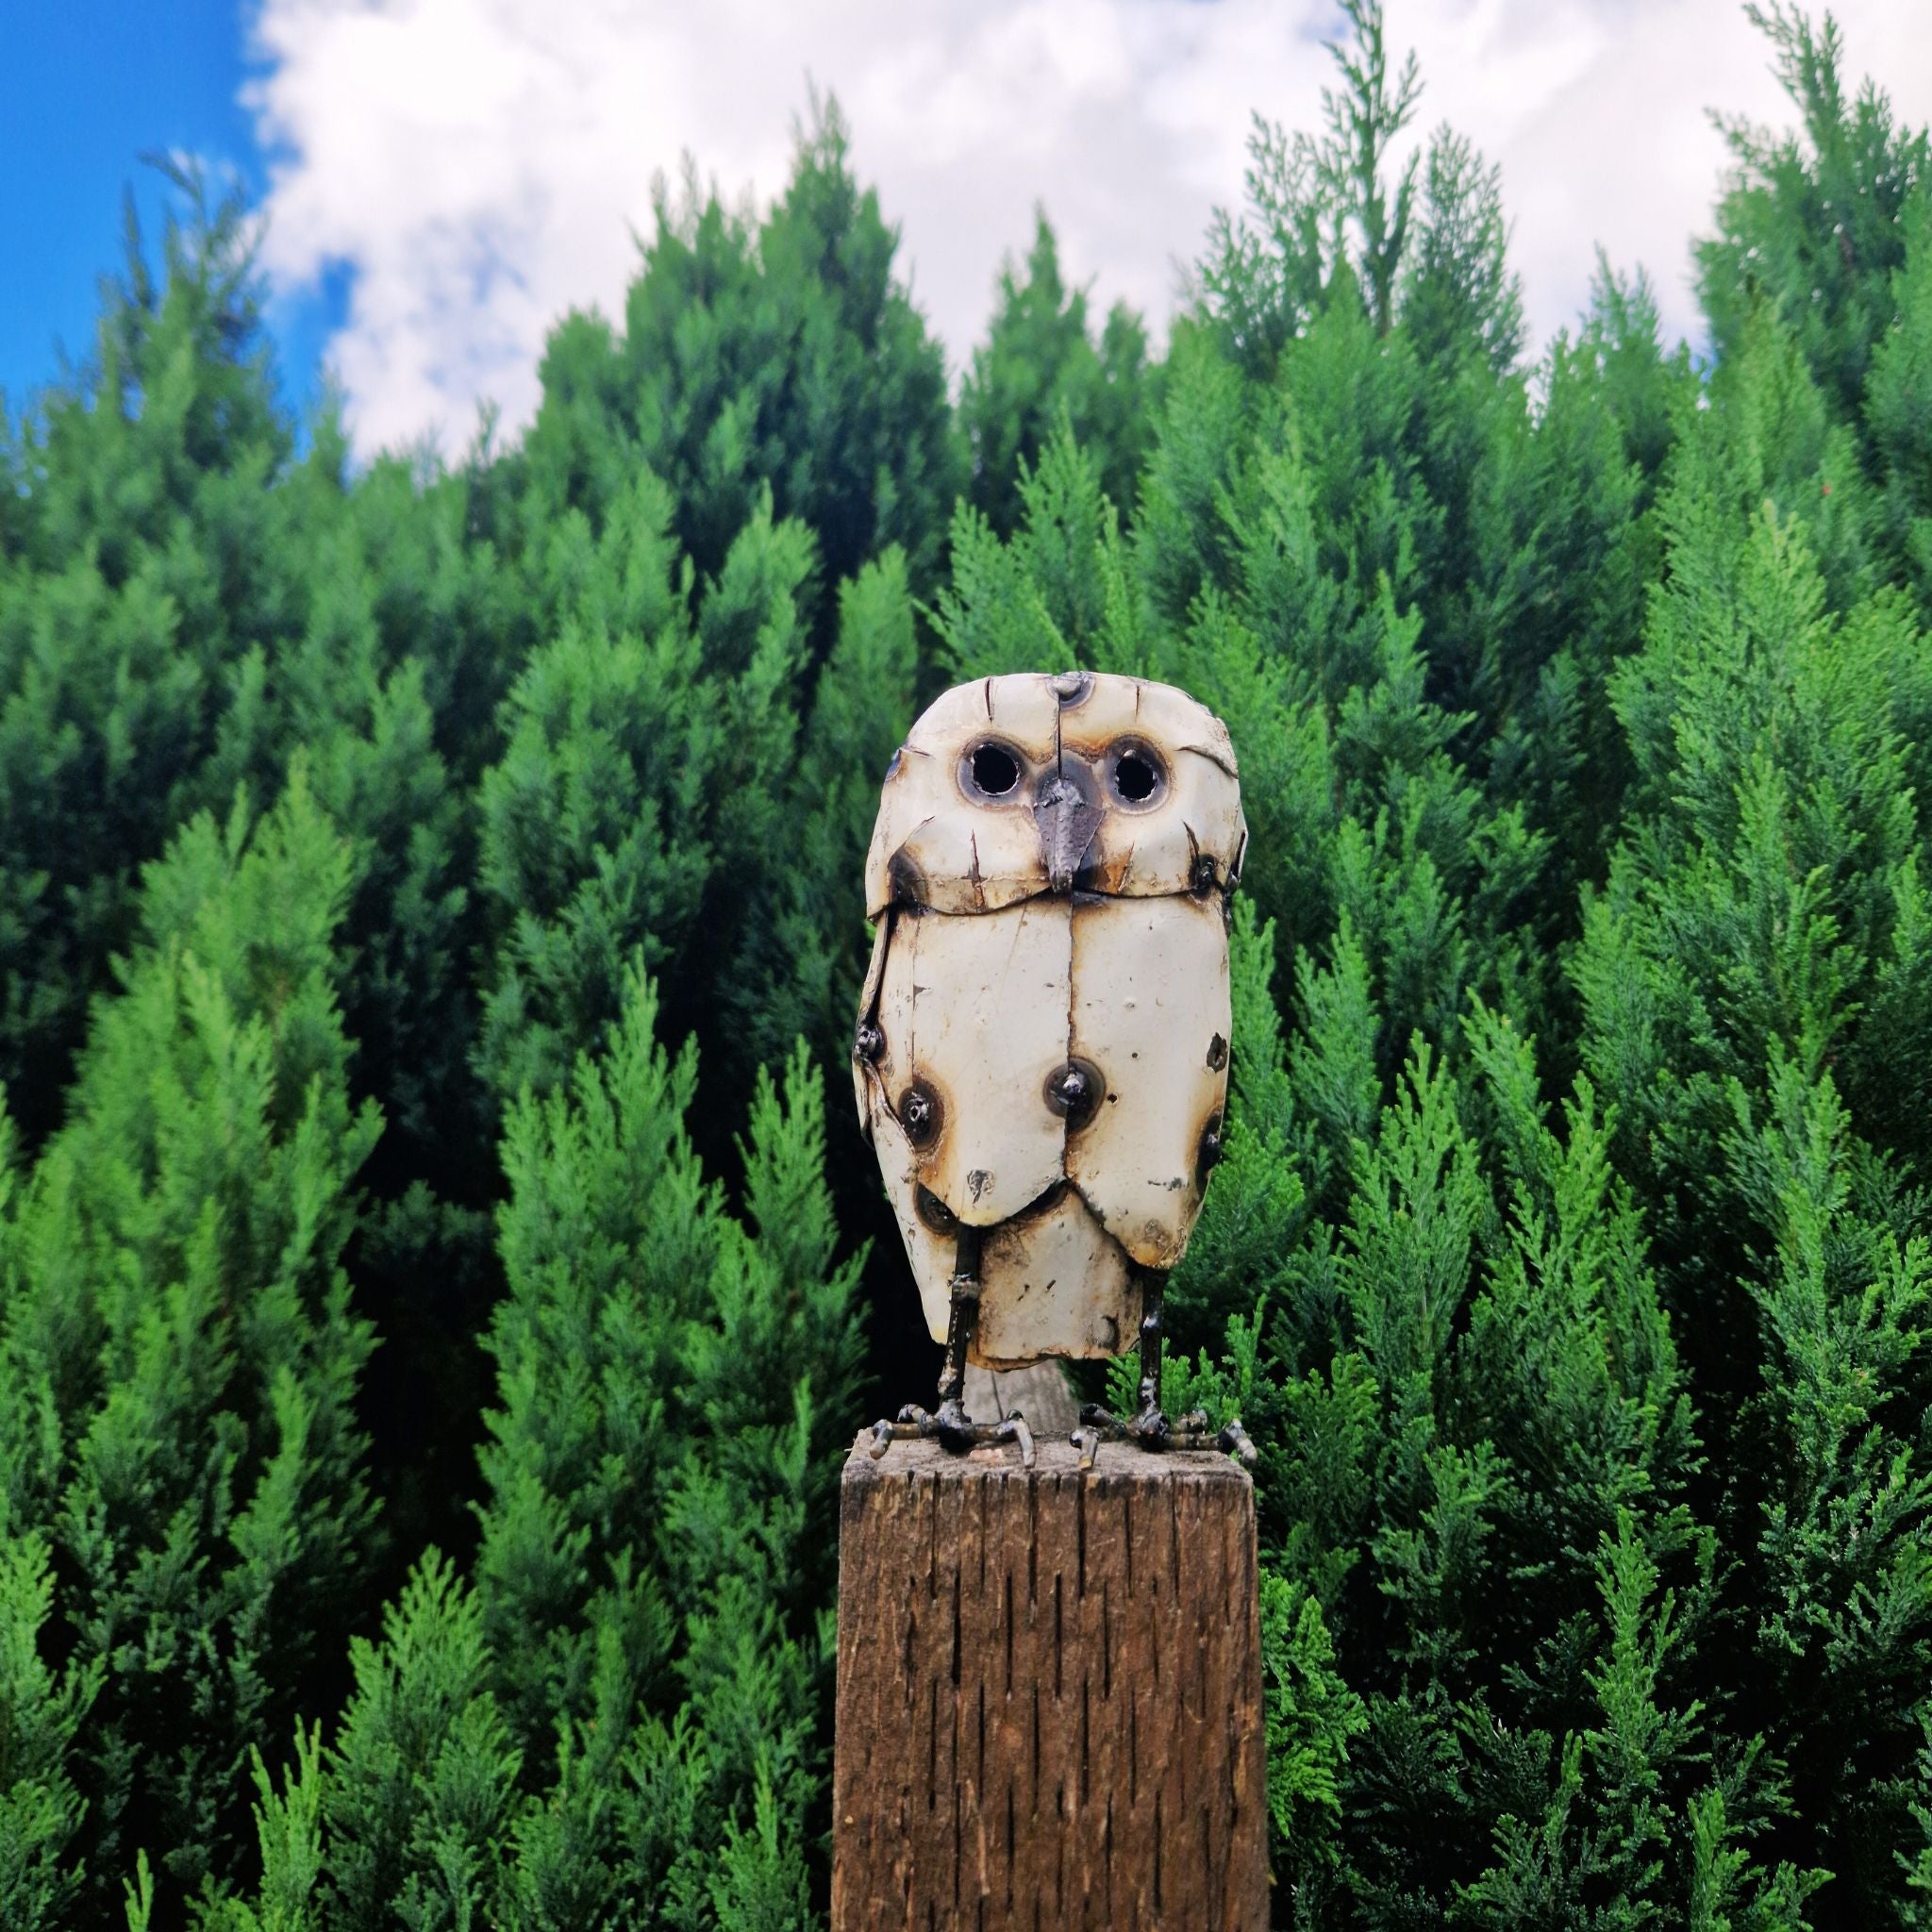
1053,1458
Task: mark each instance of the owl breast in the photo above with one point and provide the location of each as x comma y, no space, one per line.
1043,1042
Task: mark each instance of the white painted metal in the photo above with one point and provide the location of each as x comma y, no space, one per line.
1151,1010
1152,849
1020,706
977,1008
868,999
959,856
971,854
1054,1283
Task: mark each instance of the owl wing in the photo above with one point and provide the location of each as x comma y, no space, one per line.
974,1015
1152,1012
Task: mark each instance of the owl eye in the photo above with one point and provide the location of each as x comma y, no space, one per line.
990,770
1135,774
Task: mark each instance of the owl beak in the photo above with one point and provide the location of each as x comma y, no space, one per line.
1067,818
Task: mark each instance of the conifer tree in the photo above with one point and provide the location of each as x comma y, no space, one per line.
1745,983
804,946
1460,295
186,606
639,800
776,356
1812,222
42,1810
182,1358
1895,409
136,561
1326,207
619,1718
1038,366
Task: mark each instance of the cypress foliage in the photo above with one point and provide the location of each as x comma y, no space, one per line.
182,1452
778,355
615,1722
1812,225
1040,365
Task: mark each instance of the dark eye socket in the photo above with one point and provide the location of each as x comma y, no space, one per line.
995,770
1138,773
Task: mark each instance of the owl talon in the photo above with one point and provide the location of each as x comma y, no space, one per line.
955,1429
952,1428
912,1423
1154,1433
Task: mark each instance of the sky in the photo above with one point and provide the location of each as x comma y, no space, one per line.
90,87
441,179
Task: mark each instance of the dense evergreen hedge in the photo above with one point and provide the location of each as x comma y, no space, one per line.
436,1260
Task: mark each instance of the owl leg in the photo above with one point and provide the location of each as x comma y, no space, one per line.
952,1426
1149,1421
962,1317
1151,1428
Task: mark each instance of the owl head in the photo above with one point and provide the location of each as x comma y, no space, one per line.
1043,1048
1017,786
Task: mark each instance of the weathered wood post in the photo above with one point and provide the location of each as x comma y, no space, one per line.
1049,1698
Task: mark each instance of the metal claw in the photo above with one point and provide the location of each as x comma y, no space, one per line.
1154,1433
952,1429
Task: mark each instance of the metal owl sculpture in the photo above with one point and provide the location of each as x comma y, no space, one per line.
1043,1044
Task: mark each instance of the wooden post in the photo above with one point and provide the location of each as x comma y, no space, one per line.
1049,1705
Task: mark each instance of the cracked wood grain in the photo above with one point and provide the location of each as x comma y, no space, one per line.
1049,1696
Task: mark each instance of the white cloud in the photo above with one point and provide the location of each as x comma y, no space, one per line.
479,166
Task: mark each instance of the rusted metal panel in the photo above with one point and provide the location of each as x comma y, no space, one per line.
1053,1282
1020,706
928,1249
1151,1012
1166,770
943,851
867,1042
973,1013
956,830
888,1057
